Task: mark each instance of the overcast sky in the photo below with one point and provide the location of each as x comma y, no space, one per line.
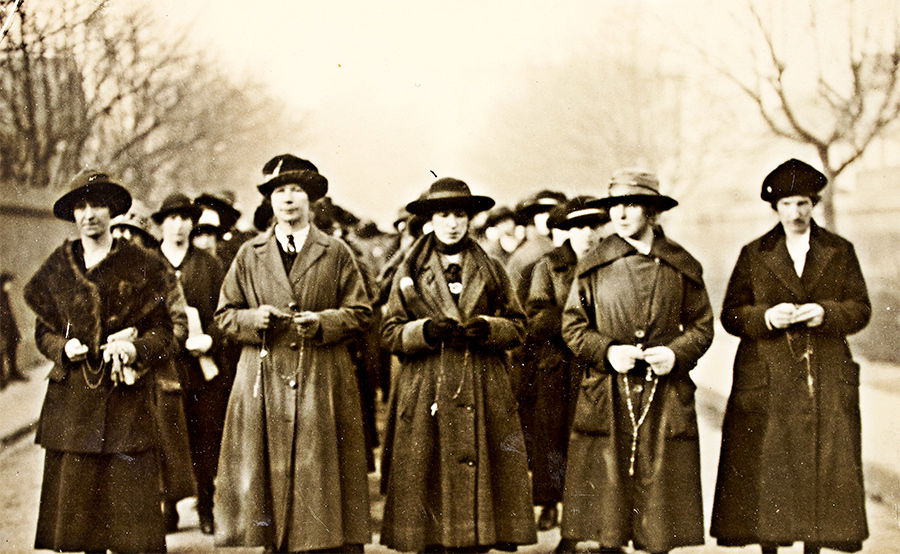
389,91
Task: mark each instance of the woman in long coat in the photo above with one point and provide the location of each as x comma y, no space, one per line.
292,468
455,456
638,310
101,472
557,372
790,468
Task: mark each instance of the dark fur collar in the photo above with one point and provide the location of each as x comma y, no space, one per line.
66,301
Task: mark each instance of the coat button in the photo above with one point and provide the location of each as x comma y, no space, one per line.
293,346
470,463
639,334
469,408
292,383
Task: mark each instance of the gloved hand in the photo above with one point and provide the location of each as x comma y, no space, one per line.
622,357
477,330
444,329
75,350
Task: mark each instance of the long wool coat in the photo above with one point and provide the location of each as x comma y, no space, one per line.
790,468
454,453
556,374
100,438
292,468
660,508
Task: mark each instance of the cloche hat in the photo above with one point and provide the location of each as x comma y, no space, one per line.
176,203
94,185
448,193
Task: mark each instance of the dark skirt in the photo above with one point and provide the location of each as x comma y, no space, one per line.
174,453
99,502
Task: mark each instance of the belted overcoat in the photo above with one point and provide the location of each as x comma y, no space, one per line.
292,467
622,297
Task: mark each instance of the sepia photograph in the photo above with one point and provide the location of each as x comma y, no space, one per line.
449,277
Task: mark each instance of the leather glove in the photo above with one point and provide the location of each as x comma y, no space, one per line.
440,330
477,330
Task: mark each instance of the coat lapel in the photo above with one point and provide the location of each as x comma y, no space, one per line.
312,250
473,285
270,260
775,256
435,288
817,259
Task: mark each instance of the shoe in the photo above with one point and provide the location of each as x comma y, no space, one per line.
548,519
170,516
207,525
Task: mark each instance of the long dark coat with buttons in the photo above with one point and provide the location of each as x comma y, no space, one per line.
455,455
292,468
790,468
660,508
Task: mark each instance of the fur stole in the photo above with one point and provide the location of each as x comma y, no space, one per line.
69,304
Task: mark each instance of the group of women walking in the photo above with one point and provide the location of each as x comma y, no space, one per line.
615,324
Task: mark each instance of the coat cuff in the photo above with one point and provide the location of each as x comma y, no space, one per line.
412,337
502,332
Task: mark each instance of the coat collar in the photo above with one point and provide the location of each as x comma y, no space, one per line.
265,246
822,248
614,247
562,257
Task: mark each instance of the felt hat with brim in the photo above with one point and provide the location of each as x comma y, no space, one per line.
580,211
635,186
792,178
449,194
176,203
228,214
96,186
137,220
539,202
287,168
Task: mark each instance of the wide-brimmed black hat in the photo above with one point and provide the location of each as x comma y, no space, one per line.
580,211
287,168
228,214
635,186
93,185
176,203
447,194
792,178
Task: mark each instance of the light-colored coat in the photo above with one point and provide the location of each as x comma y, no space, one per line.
292,469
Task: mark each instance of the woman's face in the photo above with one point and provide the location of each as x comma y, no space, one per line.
450,226
91,218
290,205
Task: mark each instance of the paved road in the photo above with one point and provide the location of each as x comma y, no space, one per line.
21,462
